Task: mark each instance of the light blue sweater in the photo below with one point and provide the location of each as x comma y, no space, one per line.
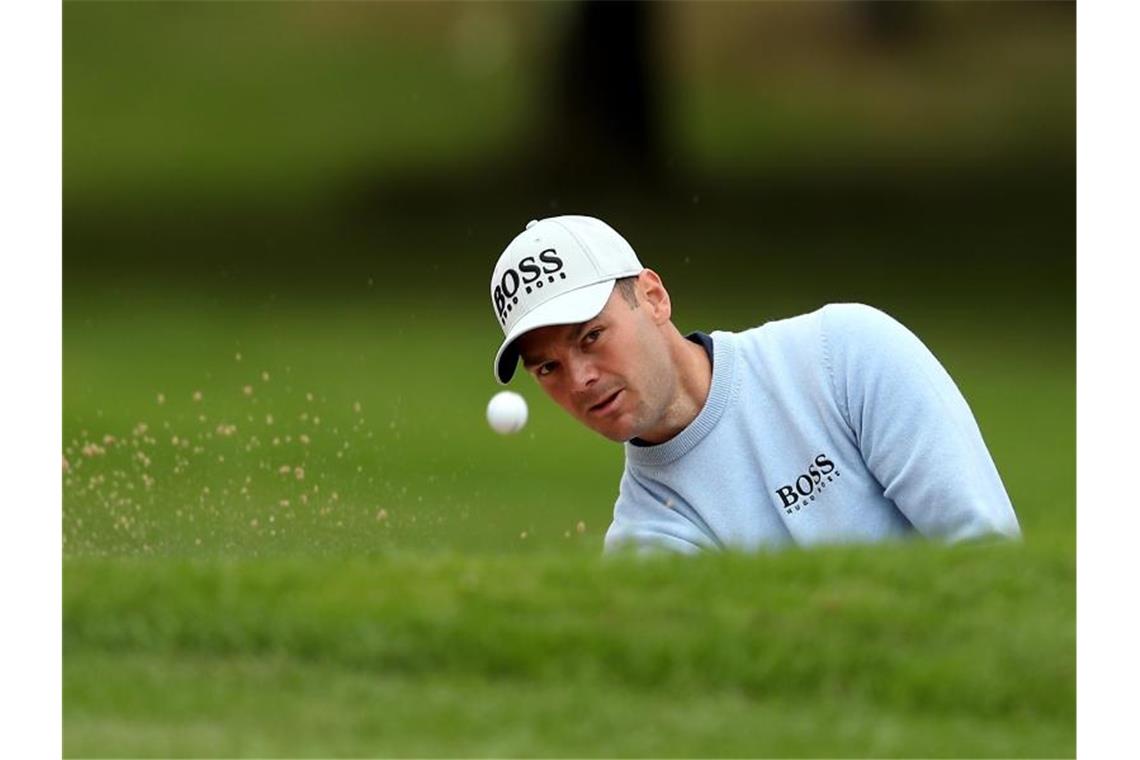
835,426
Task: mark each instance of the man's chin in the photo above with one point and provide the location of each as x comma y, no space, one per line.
619,432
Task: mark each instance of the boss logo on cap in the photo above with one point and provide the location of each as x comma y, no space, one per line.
529,276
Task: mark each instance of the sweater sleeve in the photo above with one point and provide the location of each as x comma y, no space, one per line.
913,427
646,524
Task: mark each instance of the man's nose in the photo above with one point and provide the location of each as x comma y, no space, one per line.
583,373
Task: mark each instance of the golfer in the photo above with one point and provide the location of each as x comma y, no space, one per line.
831,427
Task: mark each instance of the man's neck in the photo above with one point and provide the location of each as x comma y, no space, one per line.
694,374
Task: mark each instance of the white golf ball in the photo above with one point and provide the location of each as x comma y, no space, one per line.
506,413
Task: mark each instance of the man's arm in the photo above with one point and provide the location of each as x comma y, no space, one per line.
644,524
913,427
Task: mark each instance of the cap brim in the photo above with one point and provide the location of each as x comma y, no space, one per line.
575,306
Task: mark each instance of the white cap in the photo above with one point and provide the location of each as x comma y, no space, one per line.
560,271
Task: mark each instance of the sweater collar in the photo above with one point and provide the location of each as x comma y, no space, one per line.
720,393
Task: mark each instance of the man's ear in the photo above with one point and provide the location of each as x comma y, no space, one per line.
655,295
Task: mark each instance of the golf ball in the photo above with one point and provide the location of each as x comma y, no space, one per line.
506,413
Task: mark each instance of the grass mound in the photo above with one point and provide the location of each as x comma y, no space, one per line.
901,650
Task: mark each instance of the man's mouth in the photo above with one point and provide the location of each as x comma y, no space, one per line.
607,404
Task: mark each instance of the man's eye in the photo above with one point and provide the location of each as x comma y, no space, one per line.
545,369
592,335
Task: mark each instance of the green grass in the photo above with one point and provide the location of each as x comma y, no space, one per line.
903,651
418,448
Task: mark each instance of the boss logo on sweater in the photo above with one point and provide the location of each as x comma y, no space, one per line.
808,485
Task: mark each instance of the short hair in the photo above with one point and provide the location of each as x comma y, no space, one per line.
628,288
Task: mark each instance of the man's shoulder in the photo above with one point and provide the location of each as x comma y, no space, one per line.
836,333
838,317
807,324
859,313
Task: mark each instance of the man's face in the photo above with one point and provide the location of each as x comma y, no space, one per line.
612,373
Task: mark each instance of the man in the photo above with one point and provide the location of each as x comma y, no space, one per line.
834,426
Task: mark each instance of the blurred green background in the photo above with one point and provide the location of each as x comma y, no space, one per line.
279,223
